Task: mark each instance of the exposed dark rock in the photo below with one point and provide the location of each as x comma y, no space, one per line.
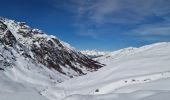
9,39
97,90
1,69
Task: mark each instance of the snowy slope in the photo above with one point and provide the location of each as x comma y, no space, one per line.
127,75
155,90
31,61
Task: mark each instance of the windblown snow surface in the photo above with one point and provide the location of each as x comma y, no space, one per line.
130,74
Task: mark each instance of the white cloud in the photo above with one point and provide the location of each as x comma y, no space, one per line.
157,31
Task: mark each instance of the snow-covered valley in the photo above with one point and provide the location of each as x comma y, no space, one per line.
129,74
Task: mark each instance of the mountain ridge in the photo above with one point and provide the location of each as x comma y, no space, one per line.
47,50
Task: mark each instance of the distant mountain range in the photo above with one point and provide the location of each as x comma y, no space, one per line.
94,53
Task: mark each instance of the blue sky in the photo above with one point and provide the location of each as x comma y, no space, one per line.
95,24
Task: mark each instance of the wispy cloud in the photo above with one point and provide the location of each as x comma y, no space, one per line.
156,32
149,18
100,11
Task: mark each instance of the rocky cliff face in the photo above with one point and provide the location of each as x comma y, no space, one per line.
19,40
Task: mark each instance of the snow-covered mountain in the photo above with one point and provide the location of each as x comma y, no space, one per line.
32,44
31,60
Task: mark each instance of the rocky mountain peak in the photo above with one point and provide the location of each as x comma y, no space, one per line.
17,37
